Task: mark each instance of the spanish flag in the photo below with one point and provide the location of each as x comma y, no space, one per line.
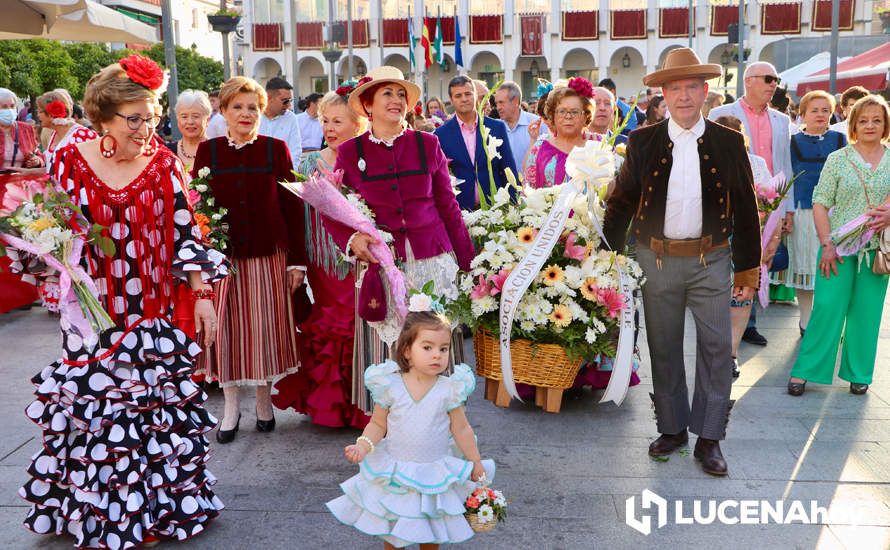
427,44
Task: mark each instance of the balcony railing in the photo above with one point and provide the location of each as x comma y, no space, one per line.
776,18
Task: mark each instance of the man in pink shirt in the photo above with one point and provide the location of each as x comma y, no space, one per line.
770,138
461,141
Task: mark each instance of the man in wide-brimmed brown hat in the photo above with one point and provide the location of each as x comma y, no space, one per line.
687,187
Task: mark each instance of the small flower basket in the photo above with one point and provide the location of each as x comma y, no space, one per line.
485,508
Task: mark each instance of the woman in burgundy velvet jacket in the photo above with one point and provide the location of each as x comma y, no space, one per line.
403,177
256,336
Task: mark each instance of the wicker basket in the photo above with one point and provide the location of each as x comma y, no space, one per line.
476,526
541,365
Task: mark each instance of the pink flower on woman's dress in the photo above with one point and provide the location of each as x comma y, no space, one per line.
611,299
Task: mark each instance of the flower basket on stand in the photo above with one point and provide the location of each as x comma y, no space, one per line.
542,295
545,366
572,307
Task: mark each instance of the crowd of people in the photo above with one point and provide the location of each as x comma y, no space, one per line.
124,424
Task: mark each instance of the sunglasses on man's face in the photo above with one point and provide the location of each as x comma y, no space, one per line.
769,79
287,101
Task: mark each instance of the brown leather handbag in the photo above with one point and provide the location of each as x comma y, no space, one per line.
881,263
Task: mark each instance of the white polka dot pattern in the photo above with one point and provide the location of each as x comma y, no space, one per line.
124,448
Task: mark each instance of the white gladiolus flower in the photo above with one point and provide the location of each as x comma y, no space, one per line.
201,188
502,196
492,146
590,336
204,172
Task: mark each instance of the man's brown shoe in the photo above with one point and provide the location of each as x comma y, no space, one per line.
707,451
668,443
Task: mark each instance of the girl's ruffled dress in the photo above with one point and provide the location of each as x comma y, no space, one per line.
412,488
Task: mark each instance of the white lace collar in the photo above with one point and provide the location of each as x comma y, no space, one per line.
388,143
236,145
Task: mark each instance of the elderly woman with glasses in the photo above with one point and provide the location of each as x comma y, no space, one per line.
193,112
568,113
257,334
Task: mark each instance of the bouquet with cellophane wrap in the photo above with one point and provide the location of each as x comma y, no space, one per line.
39,220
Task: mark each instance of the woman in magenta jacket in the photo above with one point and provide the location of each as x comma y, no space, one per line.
403,177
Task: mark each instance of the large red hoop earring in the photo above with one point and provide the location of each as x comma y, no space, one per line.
108,151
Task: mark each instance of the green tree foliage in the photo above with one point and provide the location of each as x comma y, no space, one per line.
196,72
91,58
32,67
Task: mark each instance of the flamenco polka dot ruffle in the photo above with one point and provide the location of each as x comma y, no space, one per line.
124,446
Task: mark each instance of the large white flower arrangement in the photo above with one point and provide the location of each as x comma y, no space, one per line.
575,301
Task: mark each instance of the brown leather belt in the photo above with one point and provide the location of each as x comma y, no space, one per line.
684,247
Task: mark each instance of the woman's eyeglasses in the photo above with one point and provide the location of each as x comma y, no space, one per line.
568,113
134,122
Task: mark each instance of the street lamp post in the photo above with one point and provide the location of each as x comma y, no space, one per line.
170,61
739,85
224,23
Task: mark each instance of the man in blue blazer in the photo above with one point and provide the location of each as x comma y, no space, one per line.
461,134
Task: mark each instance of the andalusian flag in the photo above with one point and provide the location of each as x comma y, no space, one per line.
440,51
427,46
412,63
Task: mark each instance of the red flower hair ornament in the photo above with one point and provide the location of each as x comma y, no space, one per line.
56,109
346,88
145,72
582,86
364,80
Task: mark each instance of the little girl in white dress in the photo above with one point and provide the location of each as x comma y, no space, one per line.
412,485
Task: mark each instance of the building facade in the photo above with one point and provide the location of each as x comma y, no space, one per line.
190,26
523,40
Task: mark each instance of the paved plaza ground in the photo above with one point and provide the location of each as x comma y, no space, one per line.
568,475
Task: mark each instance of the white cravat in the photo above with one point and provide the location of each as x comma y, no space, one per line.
683,208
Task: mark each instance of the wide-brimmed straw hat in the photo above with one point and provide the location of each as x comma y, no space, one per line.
380,75
682,63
